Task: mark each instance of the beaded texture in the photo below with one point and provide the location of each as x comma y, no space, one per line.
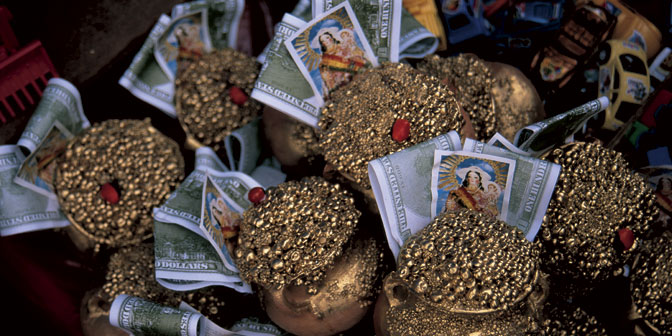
595,196
473,81
356,124
205,93
295,235
652,283
144,165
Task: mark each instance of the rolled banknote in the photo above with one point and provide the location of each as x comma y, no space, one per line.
182,250
22,209
541,136
149,76
187,35
415,41
145,78
500,141
401,183
142,317
281,84
532,185
223,18
60,103
380,21
57,118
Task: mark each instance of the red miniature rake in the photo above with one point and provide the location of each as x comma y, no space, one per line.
23,73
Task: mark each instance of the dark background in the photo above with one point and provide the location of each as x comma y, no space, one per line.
91,43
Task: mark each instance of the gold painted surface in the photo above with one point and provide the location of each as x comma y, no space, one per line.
290,140
294,236
341,300
596,194
131,271
652,283
146,166
463,274
204,107
517,103
472,81
356,124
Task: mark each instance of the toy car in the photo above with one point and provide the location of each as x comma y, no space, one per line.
574,43
633,27
624,78
542,12
464,19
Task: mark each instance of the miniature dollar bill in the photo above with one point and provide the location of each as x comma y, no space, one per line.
60,102
38,169
401,183
301,11
145,78
532,186
223,19
22,209
415,41
500,141
479,182
220,220
187,36
280,84
541,136
184,260
139,317
380,21
177,251
330,49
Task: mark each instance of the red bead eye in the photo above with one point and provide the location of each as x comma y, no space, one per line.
109,193
237,95
627,238
256,195
401,130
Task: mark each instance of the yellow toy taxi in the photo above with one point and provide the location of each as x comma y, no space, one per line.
623,78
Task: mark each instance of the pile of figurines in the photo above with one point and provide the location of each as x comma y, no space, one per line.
324,251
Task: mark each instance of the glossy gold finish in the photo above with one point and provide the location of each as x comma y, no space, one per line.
356,123
464,274
203,101
596,194
291,141
341,300
517,103
143,163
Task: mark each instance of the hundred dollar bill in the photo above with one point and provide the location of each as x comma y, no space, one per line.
541,136
184,260
330,49
186,36
178,252
21,209
415,40
302,11
401,183
38,170
223,19
380,20
60,102
500,141
145,78
531,189
281,84
142,317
